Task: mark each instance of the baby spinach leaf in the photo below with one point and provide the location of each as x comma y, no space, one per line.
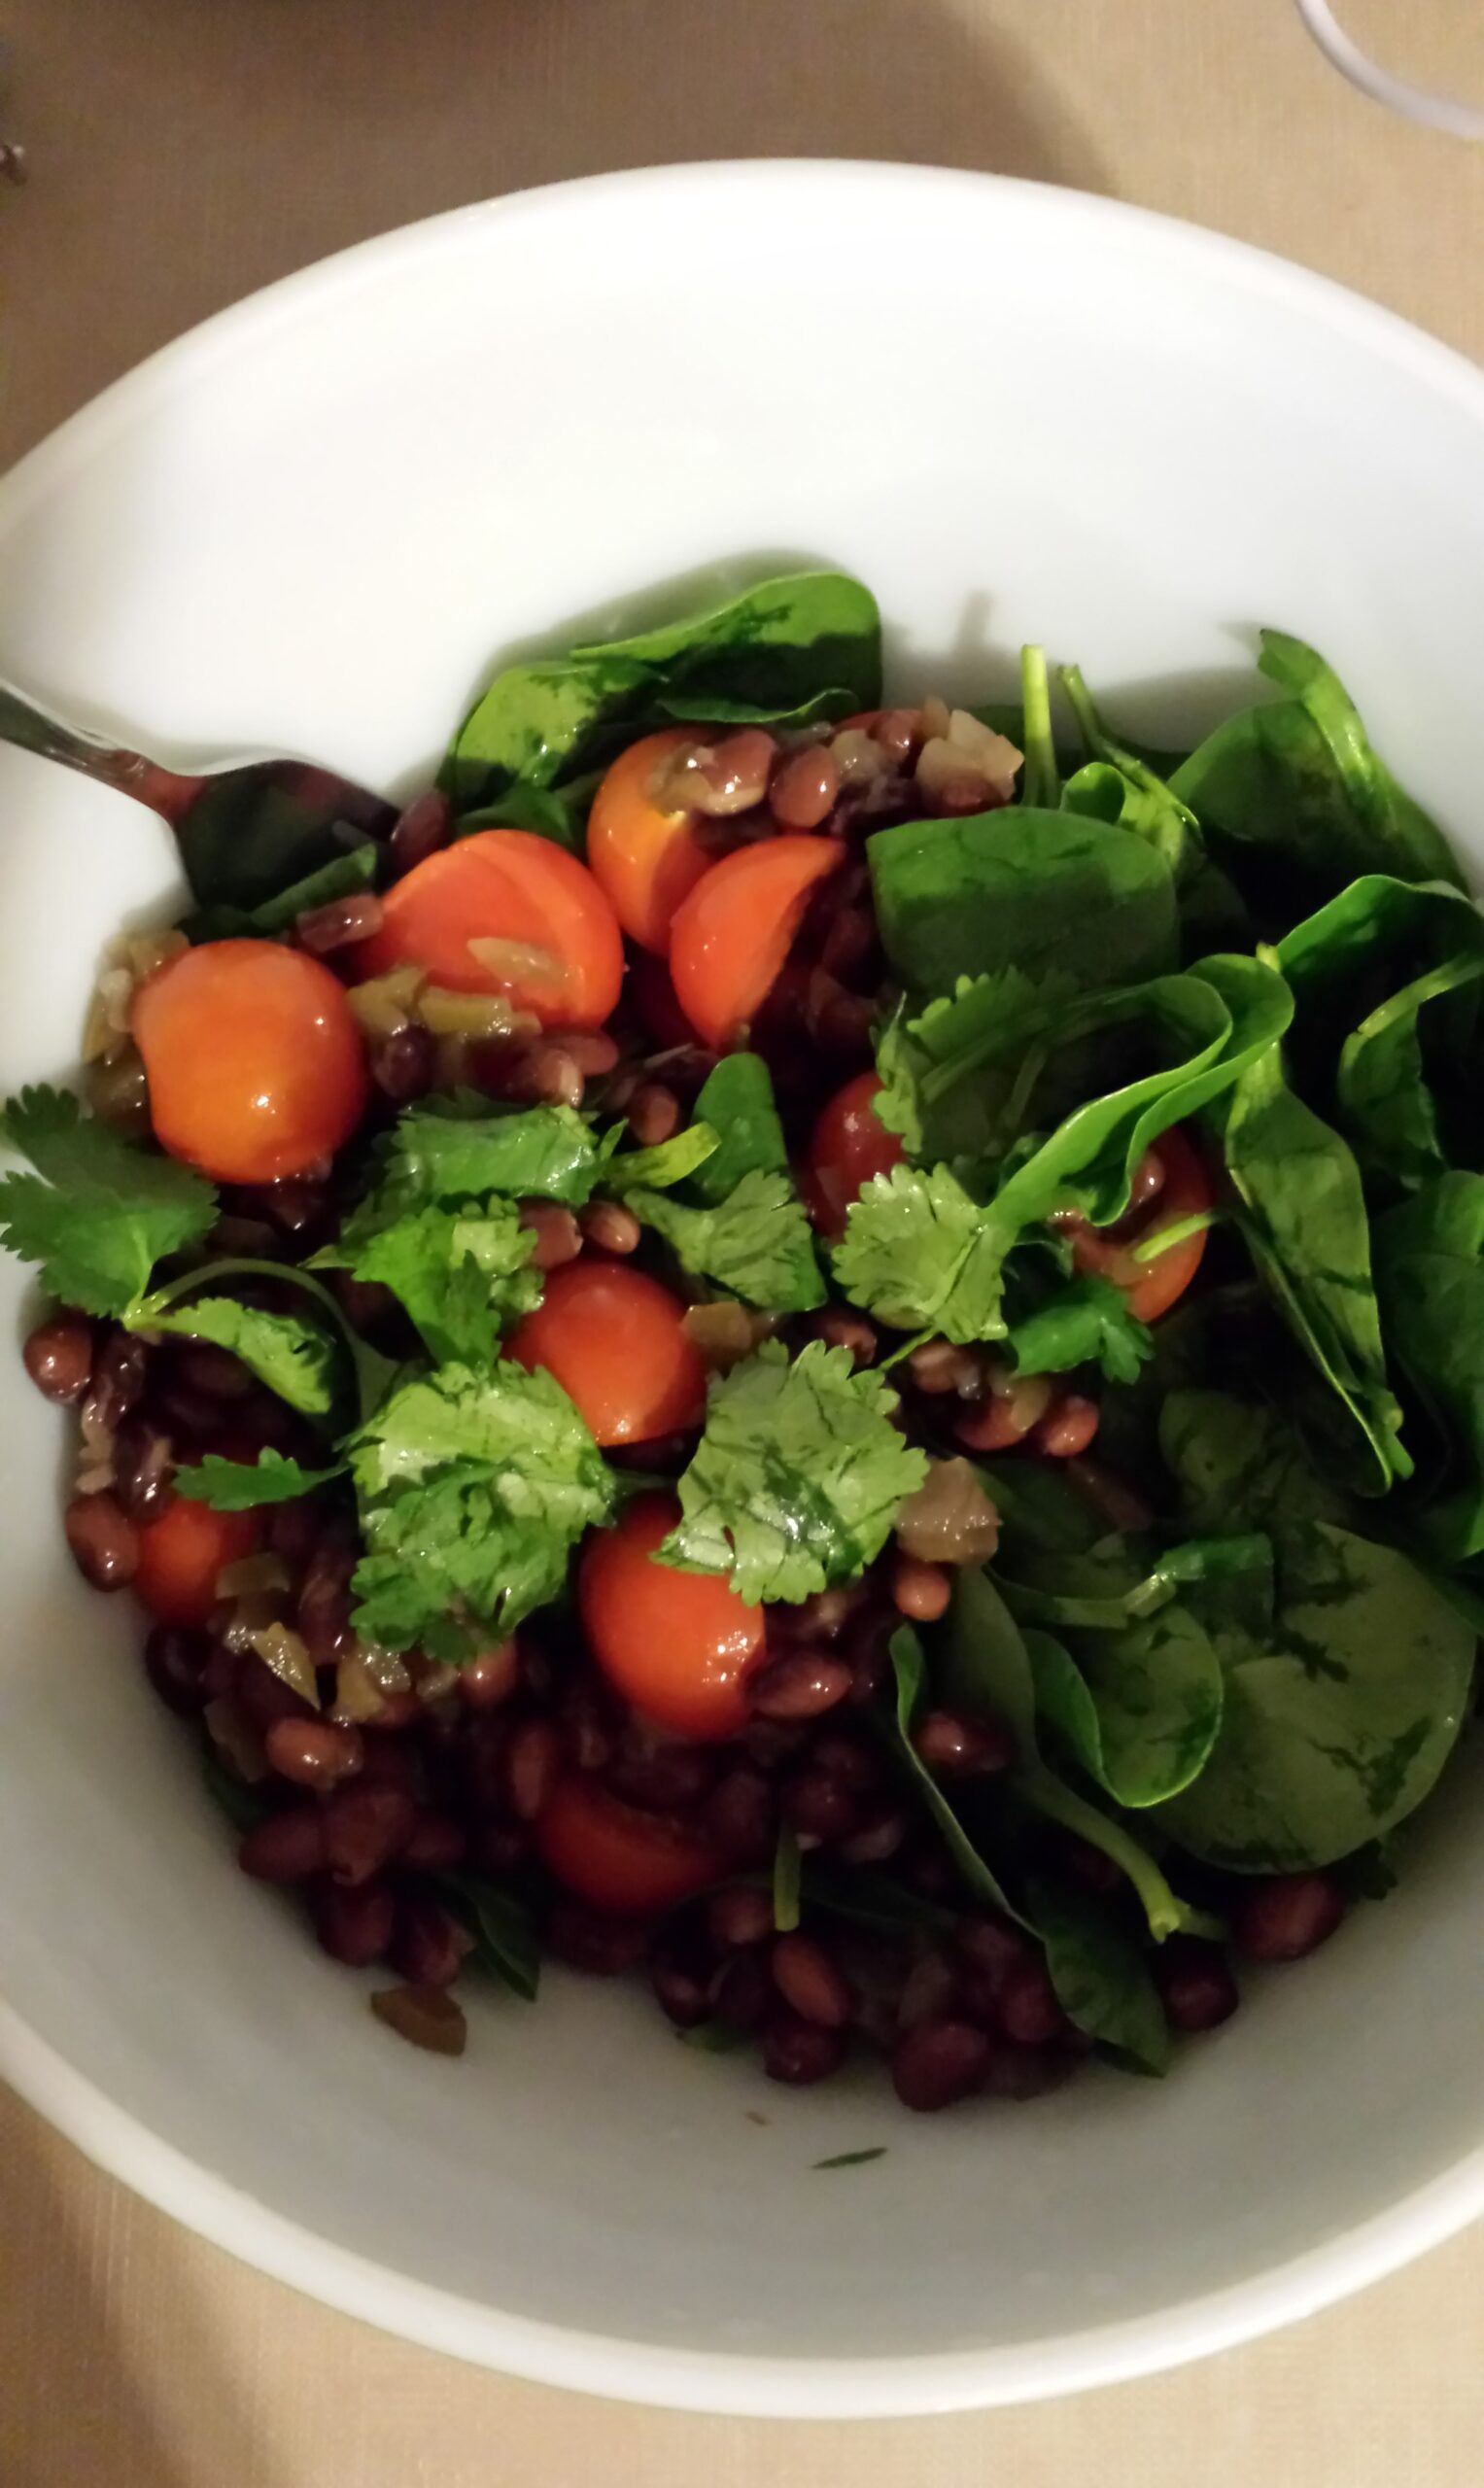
1364,970
505,1940
1337,1724
1086,1322
1295,801
1101,1977
772,653
1043,890
343,877
988,1667
757,1243
1430,1273
908,1671
737,1101
1238,1465
245,1805
798,1476
1307,1231
547,812
1139,1708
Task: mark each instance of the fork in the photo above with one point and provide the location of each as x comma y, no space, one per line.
242,832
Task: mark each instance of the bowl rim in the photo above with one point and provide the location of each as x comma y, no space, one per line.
621,2368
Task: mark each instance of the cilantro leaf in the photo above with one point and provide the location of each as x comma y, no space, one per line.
293,1355
546,1153
797,1479
1085,1323
98,1213
737,1100
757,1243
240,1485
474,1488
462,1275
921,1254
987,1026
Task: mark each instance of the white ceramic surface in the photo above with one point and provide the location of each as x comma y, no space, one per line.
313,524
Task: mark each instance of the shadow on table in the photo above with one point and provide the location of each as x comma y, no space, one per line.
72,2411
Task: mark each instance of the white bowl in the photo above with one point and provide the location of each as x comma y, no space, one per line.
313,524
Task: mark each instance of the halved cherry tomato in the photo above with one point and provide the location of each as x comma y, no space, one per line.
615,1341
677,1645
1153,1285
646,859
255,1062
566,958
618,1858
846,1146
182,1553
653,998
731,937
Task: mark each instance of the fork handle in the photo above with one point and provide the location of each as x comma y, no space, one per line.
129,773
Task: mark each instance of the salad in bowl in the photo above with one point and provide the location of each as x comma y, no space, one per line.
827,1354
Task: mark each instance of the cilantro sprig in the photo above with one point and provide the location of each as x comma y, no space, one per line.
98,1213
921,1253
798,1476
473,1489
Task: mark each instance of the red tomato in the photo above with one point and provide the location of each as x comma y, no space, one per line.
677,1645
1153,1285
731,937
618,1858
645,858
846,1146
614,1341
255,1062
567,957
181,1554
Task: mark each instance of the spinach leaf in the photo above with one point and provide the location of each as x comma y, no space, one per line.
737,1100
987,1666
1102,1978
505,1940
1364,970
1040,782
790,647
1430,1274
1340,1712
250,836
1120,784
1335,1725
1040,890
1293,800
1139,1708
1307,1231
907,1667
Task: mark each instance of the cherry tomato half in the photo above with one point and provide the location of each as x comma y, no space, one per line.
182,1553
1153,1285
645,858
731,937
615,1341
566,959
618,1858
846,1146
255,1062
677,1645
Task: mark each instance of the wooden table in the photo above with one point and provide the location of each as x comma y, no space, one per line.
182,152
